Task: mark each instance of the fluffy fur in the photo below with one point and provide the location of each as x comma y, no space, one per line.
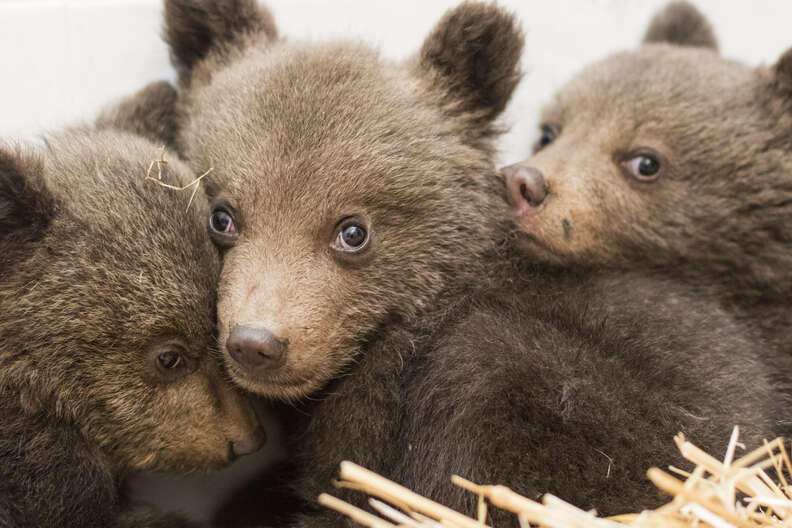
680,23
719,211
149,113
101,273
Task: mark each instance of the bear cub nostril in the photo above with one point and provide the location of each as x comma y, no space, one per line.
525,184
524,192
256,347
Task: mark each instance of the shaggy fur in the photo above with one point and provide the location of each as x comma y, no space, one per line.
721,209
102,272
423,355
150,113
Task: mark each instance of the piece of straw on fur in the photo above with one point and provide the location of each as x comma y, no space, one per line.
158,180
728,493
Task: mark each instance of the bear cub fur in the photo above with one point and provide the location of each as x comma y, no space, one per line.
674,159
108,361
366,283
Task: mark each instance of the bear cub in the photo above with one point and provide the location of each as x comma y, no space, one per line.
108,361
366,282
674,159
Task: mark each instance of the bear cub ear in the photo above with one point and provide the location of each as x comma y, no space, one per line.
782,72
150,112
472,55
193,28
26,206
682,24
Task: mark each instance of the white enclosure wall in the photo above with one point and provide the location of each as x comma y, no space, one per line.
62,60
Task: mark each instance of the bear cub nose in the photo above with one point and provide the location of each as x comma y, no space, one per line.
256,347
525,186
250,443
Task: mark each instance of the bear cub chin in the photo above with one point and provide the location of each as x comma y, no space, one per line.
673,159
108,360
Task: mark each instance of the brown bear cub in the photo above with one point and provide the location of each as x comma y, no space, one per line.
365,281
671,158
107,347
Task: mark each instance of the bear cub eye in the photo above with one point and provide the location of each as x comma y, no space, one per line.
548,134
353,235
170,360
222,222
222,227
645,167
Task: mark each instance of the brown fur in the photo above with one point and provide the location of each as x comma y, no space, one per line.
680,23
150,113
428,354
208,31
101,270
719,212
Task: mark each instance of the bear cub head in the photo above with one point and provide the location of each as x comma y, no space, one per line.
351,191
107,289
666,155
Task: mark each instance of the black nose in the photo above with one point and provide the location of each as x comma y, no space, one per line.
256,347
525,185
250,443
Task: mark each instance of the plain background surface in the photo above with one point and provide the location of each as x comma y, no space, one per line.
62,60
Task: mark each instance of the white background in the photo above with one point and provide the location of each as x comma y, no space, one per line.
62,60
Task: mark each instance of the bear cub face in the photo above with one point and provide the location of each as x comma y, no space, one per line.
108,299
663,155
350,189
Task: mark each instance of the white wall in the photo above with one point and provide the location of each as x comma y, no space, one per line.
61,60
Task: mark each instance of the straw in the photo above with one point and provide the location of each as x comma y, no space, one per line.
732,493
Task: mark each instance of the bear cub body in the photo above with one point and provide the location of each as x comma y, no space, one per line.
107,345
673,159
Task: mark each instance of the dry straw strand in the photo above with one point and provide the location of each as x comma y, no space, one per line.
732,493
160,162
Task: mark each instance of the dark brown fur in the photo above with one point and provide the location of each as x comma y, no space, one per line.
720,212
680,23
102,270
150,113
425,356
561,384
